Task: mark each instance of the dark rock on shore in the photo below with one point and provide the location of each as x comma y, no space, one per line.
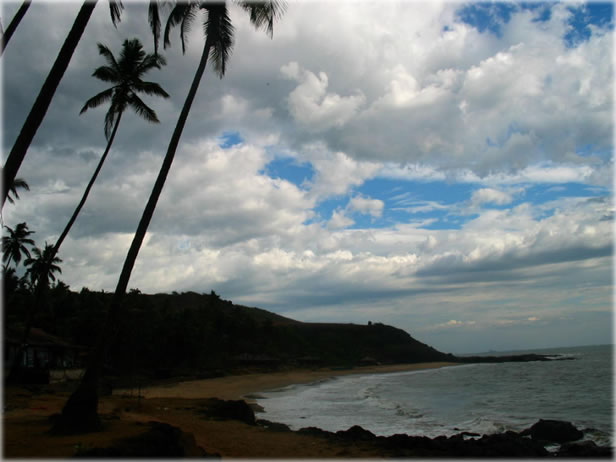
556,431
228,410
584,449
273,426
507,444
160,441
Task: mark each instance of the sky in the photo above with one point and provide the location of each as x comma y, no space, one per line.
445,168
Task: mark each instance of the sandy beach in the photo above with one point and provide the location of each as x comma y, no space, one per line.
241,386
26,413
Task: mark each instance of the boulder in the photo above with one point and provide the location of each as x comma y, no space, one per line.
160,440
273,426
556,431
229,410
356,433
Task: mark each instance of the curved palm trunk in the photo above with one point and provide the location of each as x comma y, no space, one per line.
21,12
68,226
43,100
80,411
42,284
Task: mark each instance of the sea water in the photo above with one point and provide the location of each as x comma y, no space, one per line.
478,398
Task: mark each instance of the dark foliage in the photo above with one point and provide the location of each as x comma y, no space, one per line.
166,335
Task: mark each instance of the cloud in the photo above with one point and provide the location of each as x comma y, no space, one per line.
335,172
490,196
312,106
366,205
339,220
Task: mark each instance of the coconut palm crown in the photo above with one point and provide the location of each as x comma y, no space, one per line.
126,74
42,265
14,245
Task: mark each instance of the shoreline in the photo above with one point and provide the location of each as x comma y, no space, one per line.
245,386
184,405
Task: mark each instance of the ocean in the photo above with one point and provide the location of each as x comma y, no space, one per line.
479,398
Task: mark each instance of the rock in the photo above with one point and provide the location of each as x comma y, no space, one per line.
229,410
161,440
557,431
584,449
315,431
356,433
273,426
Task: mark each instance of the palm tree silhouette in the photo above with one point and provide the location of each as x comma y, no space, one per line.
43,100
80,411
42,265
15,244
126,75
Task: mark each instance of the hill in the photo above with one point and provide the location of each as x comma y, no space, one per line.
201,334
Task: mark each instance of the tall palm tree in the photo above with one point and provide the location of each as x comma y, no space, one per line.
8,33
126,74
14,245
43,100
81,408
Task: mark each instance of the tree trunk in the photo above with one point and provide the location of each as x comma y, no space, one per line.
21,12
68,226
43,100
80,411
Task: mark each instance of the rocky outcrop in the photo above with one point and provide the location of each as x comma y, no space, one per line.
161,440
555,431
220,409
465,444
584,449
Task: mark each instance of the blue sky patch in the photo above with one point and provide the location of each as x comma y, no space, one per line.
490,17
230,139
598,14
290,169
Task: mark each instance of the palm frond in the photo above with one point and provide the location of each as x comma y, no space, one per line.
185,26
131,55
219,32
142,110
155,24
264,13
17,183
97,100
151,88
115,9
175,18
149,62
107,74
108,55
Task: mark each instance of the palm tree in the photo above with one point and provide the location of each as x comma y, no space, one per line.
6,36
43,100
126,75
43,265
15,244
80,411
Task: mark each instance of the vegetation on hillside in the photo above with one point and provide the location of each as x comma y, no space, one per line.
202,334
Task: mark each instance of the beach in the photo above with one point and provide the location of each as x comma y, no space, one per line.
124,413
